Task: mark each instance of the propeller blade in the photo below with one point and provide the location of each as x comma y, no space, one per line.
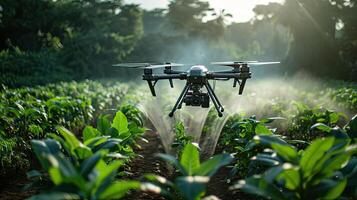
147,65
264,63
132,65
164,65
233,62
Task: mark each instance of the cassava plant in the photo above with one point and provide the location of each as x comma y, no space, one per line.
193,178
313,173
91,179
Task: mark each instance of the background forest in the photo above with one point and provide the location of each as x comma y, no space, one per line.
44,41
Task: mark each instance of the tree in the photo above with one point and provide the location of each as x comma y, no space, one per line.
312,24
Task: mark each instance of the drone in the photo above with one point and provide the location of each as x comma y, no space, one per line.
197,91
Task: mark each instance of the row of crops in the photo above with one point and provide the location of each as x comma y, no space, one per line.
84,146
31,113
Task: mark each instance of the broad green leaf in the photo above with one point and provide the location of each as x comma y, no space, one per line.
289,153
91,143
104,171
89,164
335,163
271,174
271,119
56,176
191,187
327,189
268,140
82,152
321,127
314,153
291,177
190,158
174,161
118,189
43,148
256,185
103,124
267,160
120,122
69,137
89,132
263,130
210,167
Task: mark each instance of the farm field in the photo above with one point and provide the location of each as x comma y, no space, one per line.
52,133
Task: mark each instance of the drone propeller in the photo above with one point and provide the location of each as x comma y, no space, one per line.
233,62
263,63
239,63
147,65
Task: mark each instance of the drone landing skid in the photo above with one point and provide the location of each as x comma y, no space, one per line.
211,95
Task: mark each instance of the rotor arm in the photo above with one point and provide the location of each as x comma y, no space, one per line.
215,75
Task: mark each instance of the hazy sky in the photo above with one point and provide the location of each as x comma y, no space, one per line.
240,9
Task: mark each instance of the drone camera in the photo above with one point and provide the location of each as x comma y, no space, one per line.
201,99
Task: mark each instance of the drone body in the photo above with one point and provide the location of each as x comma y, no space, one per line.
197,91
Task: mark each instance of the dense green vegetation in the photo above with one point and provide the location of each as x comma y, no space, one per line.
32,113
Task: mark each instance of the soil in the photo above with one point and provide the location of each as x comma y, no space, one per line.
145,163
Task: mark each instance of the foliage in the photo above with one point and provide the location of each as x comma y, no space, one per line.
194,174
237,133
91,179
181,139
313,173
29,113
345,96
36,68
76,38
305,117
315,47
87,169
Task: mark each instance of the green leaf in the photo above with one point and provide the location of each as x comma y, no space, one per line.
103,124
119,189
256,185
289,153
191,187
106,173
44,148
327,189
271,119
211,166
91,143
314,153
291,177
89,132
55,196
56,176
69,137
261,129
321,127
190,158
268,140
334,117
82,152
120,122
89,164
174,161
